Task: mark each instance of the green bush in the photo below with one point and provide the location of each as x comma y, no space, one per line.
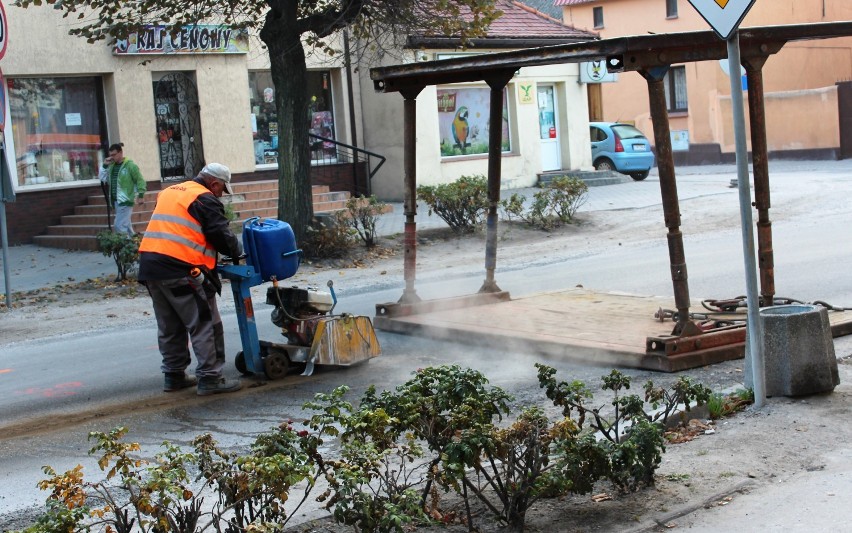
329,237
462,204
123,248
372,482
364,213
631,437
230,214
393,451
551,207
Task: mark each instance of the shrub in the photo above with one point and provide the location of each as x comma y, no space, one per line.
462,204
329,237
437,430
567,194
364,213
631,437
550,207
371,484
162,496
123,248
230,214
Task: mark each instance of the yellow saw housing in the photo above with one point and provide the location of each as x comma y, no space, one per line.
344,340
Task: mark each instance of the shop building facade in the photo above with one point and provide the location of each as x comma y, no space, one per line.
175,104
206,95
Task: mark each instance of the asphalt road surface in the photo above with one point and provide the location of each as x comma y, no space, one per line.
110,391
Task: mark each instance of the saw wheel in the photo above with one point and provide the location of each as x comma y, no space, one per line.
276,364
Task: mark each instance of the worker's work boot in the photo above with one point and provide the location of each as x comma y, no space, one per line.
178,381
217,385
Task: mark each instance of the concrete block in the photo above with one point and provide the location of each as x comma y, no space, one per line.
798,350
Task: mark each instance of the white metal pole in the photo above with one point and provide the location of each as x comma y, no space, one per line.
754,329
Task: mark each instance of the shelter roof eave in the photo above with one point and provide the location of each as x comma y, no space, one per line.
635,52
493,43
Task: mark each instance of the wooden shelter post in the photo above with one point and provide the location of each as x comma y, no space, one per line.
760,167
668,189
409,294
497,82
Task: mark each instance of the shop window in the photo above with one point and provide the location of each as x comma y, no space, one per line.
597,17
463,121
675,85
58,128
264,120
671,9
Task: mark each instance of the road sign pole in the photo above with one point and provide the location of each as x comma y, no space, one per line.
5,243
754,328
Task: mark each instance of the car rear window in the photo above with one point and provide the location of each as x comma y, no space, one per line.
625,131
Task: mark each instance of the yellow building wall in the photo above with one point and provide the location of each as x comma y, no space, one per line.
383,125
800,75
39,46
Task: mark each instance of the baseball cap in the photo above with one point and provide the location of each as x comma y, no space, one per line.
221,173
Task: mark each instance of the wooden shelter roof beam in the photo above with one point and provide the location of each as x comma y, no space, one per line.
638,52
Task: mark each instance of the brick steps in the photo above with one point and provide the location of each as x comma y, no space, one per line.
250,199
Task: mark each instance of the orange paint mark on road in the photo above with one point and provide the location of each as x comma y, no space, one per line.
57,391
5,370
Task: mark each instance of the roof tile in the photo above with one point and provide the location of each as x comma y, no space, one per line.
571,2
519,20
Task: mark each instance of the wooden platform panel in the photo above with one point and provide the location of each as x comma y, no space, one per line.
608,329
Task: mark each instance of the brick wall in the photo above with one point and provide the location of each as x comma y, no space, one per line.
32,212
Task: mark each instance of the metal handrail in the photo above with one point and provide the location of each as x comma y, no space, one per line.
354,155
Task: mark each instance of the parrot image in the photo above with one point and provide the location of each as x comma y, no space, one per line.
461,129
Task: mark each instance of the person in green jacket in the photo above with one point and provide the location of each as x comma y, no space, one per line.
126,187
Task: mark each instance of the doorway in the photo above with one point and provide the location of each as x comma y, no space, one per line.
548,125
178,126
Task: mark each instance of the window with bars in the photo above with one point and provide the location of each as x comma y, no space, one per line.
675,84
671,9
597,16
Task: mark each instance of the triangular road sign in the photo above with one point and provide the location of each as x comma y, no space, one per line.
724,16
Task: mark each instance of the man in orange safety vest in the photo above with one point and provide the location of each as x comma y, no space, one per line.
177,258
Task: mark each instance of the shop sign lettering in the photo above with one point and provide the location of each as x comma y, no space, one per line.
447,103
198,39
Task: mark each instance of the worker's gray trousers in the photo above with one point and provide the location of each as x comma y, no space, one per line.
185,309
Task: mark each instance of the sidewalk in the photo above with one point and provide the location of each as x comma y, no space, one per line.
33,267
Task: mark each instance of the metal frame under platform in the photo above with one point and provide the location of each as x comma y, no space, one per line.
607,329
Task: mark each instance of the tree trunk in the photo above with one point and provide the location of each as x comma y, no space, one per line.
289,76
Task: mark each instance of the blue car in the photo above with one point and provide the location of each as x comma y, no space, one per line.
622,148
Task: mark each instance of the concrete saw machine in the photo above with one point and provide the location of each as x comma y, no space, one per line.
314,336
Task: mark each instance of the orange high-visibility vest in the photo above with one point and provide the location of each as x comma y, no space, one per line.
172,231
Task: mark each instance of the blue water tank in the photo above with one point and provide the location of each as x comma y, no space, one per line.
270,247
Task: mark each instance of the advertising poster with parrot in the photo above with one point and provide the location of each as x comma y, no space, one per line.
463,121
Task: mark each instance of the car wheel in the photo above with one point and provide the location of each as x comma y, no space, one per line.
604,164
639,176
